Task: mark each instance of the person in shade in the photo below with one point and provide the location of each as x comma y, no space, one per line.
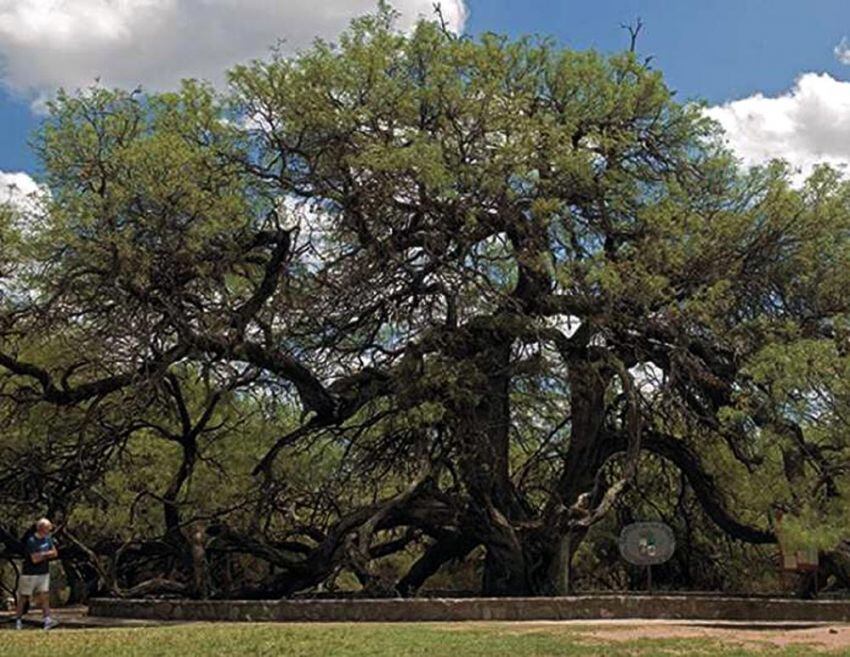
34,582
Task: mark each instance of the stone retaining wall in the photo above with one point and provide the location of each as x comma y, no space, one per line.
479,609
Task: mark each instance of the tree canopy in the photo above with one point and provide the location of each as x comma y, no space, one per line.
413,294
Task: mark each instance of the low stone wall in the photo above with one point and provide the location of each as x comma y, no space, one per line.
480,609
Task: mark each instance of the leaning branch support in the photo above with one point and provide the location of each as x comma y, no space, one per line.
677,452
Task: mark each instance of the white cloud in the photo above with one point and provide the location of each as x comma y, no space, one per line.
842,51
20,190
808,125
45,44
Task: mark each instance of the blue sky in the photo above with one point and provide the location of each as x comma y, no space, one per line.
776,57
713,49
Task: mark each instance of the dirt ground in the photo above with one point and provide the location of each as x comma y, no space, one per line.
817,636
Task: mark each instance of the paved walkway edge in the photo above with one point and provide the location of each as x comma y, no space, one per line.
480,609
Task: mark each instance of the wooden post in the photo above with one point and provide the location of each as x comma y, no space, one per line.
197,542
564,566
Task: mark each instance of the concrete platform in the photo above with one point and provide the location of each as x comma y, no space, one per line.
575,608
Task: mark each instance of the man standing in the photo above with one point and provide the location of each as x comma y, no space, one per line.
35,577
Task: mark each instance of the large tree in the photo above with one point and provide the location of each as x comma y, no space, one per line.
491,274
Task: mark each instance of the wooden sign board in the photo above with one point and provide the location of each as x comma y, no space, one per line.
795,561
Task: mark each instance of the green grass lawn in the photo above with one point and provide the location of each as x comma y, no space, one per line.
349,640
